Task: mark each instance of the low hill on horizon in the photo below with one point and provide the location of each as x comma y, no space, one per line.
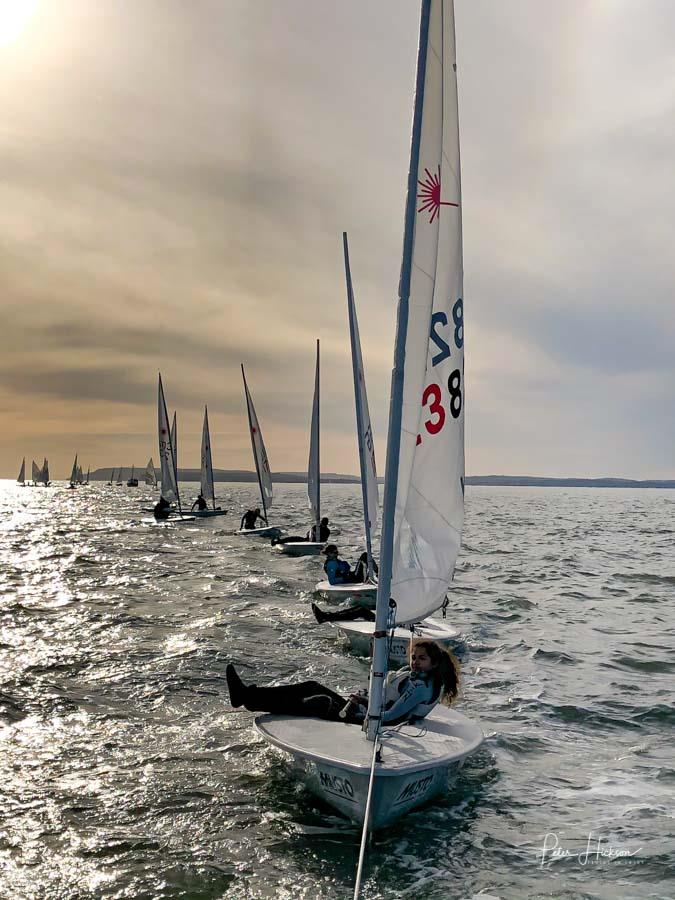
243,475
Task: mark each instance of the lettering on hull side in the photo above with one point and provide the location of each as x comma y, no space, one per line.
337,785
413,790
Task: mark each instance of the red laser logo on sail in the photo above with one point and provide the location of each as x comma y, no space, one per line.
430,193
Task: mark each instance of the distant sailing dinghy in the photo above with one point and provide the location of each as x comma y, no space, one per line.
74,480
365,592
21,479
310,548
167,458
377,777
44,474
35,473
262,468
150,476
206,479
133,481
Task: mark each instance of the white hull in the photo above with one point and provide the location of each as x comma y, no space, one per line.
365,594
360,637
268,531
173,520
301,548
334,760
207,513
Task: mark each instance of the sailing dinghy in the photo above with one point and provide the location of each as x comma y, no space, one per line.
132,481
21,478
74,475
44,474
167,458
366,592
150,476
310,548
35,473
376,777
262,468
206,479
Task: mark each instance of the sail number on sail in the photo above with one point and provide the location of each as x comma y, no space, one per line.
432,396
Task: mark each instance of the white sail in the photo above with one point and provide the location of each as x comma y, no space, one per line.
22,471
150,474
80,476
314,466
174,444
35,472
73,471
207,489
430,484
88,471
44,474
371,499
262,465
166,457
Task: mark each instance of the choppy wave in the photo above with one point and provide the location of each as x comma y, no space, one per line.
127,774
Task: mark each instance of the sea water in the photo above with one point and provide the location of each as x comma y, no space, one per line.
124,773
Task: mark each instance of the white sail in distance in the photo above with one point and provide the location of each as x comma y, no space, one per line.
150,475
206,481
371,499
314,465
166,457
262,465
44,474
430,484
174,444
22,471
35,472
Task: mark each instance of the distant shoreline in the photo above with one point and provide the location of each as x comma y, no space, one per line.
241,475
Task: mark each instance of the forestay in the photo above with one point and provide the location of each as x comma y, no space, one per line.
430,485
314,468
262,465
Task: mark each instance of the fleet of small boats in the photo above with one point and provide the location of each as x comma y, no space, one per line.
374,779
376,774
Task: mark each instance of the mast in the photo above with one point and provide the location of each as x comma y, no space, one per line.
314,467
250,431
359,386
379,665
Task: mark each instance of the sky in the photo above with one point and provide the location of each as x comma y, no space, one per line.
175,179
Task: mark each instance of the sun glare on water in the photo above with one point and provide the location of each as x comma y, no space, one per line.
14,16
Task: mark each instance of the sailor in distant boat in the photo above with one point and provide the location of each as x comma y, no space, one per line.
162,509
310,537
249,519
410,693
338,571
200,503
